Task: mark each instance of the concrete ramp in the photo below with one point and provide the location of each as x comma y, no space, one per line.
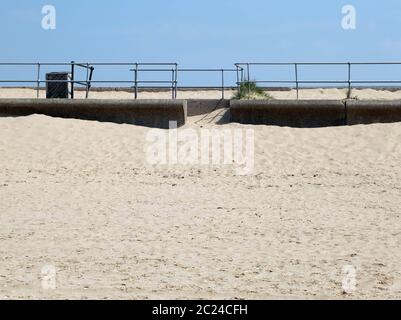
291,113
198,107
149,113
367,112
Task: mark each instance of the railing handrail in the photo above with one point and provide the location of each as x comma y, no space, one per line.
136,67
90,66
242,70
246,67
316,63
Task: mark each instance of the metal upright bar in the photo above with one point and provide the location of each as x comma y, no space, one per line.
136,80
238,79
72,78
87,81
176,81
349,81
222,84
172,83
296,79
38,82
249,80
90,78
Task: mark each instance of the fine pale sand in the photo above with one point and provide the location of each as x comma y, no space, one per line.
328,93
80,196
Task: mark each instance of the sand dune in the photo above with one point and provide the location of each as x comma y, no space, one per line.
80,196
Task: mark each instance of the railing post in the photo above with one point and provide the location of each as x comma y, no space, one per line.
38,82
136,80
249,82
72,78
222,84
237,76
87,81
296,79
176,81
172,83
349,81
90,78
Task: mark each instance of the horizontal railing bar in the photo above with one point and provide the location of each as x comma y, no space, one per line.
153,70
187,70
293,81
85,63
207,70
32,64
61,81
379,81
374,63
315,63
84,81
264,63
322,81
290,63
207,87
132,64
267,81
150,81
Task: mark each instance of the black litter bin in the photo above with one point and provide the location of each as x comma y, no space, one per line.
59,89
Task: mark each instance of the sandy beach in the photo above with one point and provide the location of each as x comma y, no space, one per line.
322,93
81,197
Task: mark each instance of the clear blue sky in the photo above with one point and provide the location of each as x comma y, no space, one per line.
203,33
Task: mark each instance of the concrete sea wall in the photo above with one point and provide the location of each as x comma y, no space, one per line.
158,113
291,113
150,113
315,113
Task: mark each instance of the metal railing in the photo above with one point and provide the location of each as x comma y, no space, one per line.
89,74
72,66
222,73
137,83
174,76
245,74
135,80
